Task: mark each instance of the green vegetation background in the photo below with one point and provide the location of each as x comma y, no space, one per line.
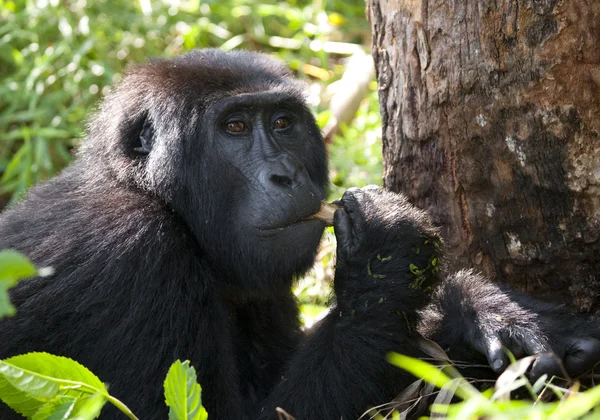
59,58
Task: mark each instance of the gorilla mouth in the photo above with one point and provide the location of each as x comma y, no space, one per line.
294,222
297,222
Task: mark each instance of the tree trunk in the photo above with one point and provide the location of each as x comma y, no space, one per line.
491,122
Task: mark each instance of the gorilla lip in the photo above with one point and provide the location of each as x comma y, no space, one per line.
324,214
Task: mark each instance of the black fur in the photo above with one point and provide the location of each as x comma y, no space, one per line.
475,320
177,233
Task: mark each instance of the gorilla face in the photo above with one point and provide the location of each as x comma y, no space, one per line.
267,141
271,175
228,143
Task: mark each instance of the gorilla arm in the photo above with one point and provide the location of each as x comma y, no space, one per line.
467,312
341,369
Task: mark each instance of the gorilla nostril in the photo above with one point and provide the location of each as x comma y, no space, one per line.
282,181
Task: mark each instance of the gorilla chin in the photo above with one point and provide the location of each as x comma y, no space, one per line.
300,238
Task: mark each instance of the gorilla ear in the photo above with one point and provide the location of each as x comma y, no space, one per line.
145,139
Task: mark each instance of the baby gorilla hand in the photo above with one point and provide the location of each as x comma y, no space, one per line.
493,320
383,243
351,226
561,353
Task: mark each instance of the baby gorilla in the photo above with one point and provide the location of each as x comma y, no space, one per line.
387,265
391,290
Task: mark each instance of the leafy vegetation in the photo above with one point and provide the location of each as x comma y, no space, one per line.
58,59
41,385
13,268
494,403
182,393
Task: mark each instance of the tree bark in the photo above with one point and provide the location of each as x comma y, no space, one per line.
491,122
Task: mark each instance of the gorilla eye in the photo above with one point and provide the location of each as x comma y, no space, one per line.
281,123
235,127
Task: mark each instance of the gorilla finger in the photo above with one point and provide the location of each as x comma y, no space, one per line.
343,231
583,355
492,347
533,345
351,199
548,364
515,347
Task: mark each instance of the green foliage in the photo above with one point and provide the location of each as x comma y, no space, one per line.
355,155
13,267
313,290
430,373
44,386
182,393
572,404
41,386
57,59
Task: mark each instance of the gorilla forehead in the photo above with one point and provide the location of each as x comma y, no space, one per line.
175,94
209,75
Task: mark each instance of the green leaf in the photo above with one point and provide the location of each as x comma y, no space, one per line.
57,409
68,407
432,374
420,369
13,267
578,405
182,393
89,408
36,382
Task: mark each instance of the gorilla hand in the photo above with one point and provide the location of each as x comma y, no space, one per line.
493,320
384,245
567,356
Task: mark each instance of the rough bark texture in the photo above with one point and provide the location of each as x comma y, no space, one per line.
491,121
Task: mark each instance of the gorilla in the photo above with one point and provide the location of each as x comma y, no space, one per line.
179,229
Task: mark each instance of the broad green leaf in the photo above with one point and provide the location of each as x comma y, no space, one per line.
182,393
13,267
31,381
68,407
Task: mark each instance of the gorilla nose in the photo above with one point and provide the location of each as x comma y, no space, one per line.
286,174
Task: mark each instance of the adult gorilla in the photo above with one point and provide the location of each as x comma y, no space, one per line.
177,232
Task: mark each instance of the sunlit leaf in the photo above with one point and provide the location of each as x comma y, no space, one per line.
183,393
13,267
32,381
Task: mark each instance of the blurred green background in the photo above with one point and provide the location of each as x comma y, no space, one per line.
58,59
